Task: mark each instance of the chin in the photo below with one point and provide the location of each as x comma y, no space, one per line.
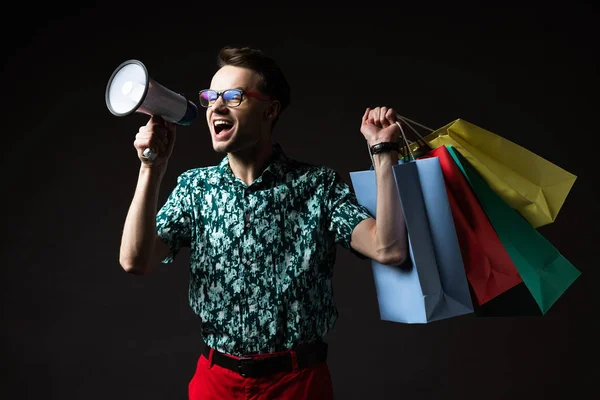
221,147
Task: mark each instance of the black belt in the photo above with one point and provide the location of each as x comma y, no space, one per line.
307,355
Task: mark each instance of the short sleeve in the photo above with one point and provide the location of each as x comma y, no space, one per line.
173,220
345,212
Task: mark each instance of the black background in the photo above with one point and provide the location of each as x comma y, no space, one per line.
75,326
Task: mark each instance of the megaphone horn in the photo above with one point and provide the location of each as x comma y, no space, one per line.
130,89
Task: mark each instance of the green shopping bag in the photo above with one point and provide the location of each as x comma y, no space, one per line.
546,273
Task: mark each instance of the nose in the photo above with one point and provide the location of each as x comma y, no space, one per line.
219,106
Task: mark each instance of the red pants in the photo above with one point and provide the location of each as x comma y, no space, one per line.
218,383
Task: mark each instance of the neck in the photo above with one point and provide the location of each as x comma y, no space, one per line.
248,164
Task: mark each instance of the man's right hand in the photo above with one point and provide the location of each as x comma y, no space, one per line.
157,135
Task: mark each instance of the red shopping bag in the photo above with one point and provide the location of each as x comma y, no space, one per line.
489,268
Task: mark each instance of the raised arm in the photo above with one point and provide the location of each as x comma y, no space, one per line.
385,239
140,247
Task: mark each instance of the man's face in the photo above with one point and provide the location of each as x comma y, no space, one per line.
241,127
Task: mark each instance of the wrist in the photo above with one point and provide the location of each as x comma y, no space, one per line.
155,172
385,159
385,147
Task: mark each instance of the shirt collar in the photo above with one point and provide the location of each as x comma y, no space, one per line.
276,168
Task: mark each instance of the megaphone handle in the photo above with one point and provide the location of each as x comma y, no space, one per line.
149,154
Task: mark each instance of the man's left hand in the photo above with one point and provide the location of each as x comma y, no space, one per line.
379,125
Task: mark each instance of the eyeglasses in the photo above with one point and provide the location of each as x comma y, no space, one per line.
231,97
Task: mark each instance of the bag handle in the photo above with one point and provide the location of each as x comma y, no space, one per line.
406,121
403,138
412,156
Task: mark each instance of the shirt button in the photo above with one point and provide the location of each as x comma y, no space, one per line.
247,219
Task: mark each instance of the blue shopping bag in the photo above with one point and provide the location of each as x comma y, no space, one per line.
432,284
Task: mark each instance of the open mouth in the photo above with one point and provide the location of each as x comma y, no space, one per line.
222,126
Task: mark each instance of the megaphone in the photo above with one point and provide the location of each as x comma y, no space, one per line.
130,89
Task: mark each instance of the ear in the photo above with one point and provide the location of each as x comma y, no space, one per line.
273,110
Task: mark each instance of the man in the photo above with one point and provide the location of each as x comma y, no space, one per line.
262,231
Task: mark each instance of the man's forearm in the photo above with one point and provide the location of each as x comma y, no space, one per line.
390,231
139,230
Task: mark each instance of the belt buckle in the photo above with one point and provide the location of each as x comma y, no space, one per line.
244,361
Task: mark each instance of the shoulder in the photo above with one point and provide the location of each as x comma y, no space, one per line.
200,173
315,179
197,178
316,172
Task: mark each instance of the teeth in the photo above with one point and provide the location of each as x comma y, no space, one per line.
221,122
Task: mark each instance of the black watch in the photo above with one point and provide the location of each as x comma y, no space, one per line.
383,147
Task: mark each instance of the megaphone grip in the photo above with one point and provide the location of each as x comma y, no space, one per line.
149,154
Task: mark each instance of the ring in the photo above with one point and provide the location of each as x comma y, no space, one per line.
149,154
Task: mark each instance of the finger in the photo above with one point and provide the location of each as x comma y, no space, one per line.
155,136
390,115
141,144
365,117
158,144
166,123
375,116
158,120
170,139
160,131
151,134
382,119
158,139
170,135
146,158
142,136
146,131
153,121
144,143
370,116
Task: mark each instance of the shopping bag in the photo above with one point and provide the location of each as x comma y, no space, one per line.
546,273
530,184
432,284
515,302
490,270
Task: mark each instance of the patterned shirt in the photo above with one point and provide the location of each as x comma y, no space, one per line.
261,255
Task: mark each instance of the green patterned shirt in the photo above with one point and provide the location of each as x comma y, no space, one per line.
261,255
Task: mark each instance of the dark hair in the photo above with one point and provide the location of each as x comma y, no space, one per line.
273,82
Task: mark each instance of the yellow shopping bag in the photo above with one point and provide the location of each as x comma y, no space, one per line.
530,184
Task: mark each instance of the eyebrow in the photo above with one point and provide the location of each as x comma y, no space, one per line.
237,87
